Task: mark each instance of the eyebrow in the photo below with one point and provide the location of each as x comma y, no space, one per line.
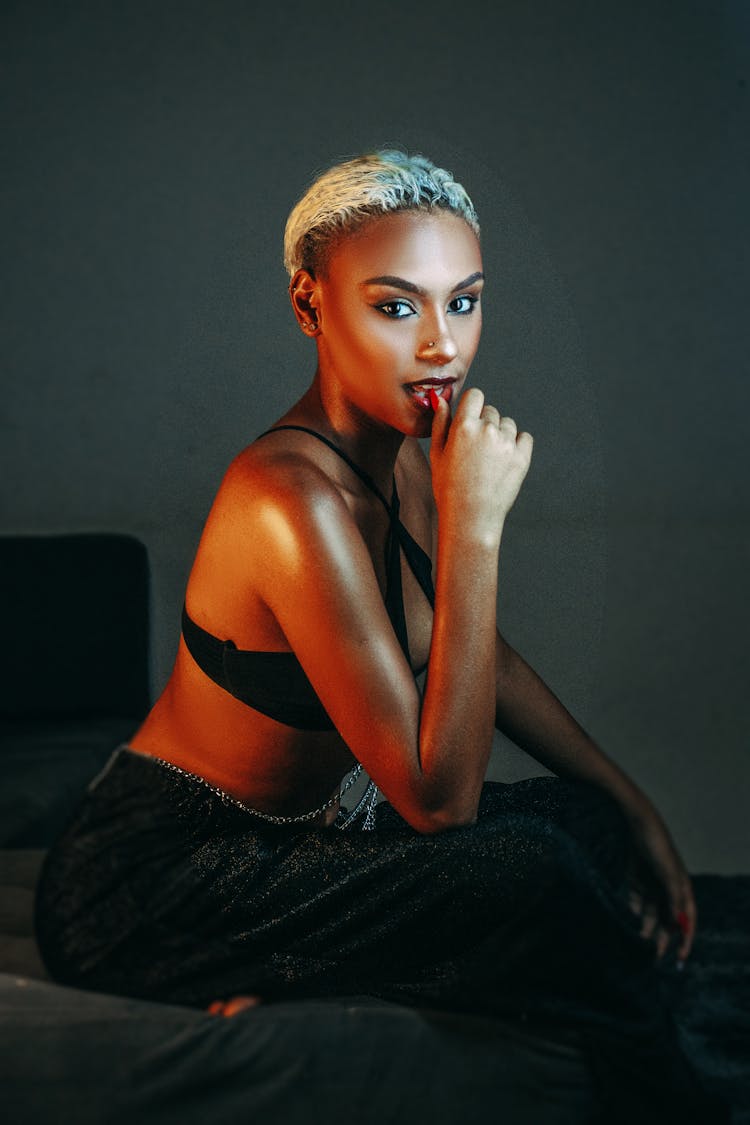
410,287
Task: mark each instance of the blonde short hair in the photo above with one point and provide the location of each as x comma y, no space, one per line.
344,197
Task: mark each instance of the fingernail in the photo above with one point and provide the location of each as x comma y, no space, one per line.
682,921
434,399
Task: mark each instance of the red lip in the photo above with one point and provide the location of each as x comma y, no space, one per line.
422,401
433,381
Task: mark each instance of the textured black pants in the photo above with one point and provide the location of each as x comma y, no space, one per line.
162,889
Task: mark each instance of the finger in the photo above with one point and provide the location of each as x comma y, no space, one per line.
472,403
687,921
491,414
525,442
635,901
663,938
685,944
650,917
215,1008
683,916
441,420
509,424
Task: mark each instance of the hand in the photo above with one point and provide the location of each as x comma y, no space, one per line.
479,462
661,892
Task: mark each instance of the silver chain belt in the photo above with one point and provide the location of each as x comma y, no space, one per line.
366,802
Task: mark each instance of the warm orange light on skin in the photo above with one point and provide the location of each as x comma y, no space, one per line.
278,528
300,549
399,300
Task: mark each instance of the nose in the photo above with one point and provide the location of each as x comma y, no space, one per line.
436,343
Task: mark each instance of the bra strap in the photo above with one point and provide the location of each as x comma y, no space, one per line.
419,561
361,473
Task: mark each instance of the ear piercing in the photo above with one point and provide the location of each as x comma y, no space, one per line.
309,325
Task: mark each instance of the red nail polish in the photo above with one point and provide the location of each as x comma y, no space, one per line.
683,921
434,399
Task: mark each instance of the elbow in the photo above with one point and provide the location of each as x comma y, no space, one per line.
435,824
429,823
430,807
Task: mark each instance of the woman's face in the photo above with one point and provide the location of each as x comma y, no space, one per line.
399,312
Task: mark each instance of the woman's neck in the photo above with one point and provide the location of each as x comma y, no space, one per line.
370,444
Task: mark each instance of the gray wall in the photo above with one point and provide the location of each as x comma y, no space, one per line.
154,152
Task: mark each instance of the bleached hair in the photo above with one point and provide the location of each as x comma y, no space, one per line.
343,198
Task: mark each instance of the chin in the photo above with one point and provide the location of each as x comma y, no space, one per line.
420,428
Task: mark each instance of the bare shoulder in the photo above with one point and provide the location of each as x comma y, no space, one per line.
270,479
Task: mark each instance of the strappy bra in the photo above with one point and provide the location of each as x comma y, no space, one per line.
274,683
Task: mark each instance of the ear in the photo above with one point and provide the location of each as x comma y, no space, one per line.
305,298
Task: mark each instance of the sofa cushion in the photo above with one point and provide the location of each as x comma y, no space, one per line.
75,623
19,871
67,1055
46,766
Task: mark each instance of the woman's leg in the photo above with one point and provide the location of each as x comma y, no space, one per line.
162,889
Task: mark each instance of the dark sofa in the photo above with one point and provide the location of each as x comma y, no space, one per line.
74,684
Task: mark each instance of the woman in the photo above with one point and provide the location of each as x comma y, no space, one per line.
212,860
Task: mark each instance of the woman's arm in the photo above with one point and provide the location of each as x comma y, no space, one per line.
535,719
313,570
528,712
471,504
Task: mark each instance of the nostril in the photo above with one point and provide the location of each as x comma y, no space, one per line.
439,351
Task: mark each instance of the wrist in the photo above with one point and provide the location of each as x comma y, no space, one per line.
636,806
458,530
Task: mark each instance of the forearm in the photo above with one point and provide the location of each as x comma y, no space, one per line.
479,461
457,720
529,713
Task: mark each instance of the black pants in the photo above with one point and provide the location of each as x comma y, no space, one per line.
160,888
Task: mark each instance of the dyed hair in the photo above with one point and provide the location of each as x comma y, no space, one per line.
343,198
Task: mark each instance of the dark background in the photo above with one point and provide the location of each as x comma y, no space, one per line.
151,155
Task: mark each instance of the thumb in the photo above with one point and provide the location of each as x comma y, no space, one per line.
441,419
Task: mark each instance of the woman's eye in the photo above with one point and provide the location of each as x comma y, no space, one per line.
463,305
396,309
